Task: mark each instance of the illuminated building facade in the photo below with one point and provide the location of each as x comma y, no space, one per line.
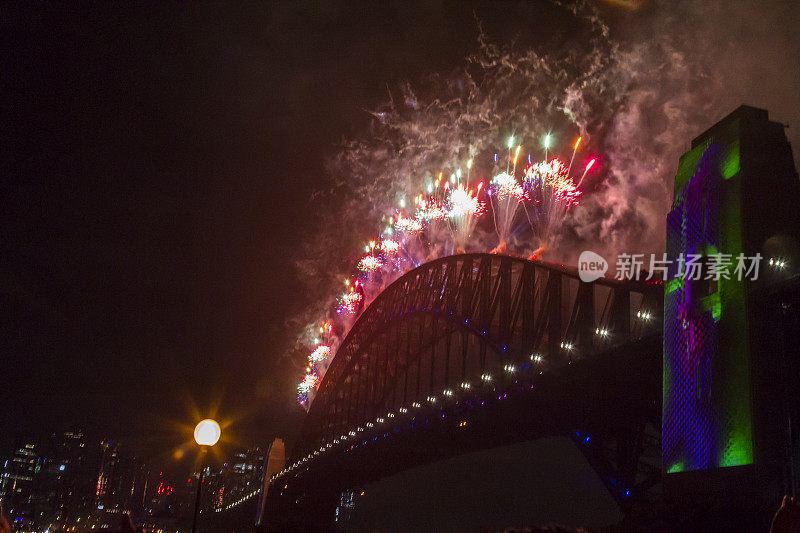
66,478
120,482
238,478
20,473
736,192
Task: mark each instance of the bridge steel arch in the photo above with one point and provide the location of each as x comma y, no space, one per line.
454,321
446,340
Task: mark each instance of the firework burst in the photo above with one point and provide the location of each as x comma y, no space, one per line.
430,210
320,353
464,208
507,196
447,219
408,226
390,246
369,263
552,192
349,303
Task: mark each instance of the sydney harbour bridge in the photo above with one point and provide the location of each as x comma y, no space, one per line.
478,351
475,351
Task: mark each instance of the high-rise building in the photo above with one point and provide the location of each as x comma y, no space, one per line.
120,482
66,481
19,478
64,488
238,478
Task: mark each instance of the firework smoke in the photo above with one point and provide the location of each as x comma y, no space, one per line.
635,103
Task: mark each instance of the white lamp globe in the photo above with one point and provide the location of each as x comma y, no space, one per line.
207,432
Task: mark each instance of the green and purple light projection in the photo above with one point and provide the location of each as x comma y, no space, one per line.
707,415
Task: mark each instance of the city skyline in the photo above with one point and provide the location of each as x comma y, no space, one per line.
66,479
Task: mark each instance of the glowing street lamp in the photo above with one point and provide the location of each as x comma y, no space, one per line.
206,434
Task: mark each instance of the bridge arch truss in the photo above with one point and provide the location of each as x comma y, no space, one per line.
465,320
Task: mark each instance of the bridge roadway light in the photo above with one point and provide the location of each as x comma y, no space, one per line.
206,434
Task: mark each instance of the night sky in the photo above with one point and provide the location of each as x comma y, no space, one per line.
157,167
157,164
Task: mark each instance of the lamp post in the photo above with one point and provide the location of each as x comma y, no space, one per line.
206,434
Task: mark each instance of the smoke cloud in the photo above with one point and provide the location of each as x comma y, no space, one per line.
637,85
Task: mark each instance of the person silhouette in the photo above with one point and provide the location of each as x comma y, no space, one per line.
787,517
126,525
